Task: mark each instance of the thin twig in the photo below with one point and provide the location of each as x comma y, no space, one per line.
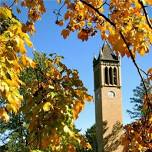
102,5
143,72
58,11
98,12
145,13
12,3
124,39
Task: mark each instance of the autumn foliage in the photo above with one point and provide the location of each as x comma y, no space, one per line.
53,92
13,60
43,91
54,96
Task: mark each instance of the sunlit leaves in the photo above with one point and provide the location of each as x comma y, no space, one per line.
78,106
138,134
35,9
3,115
126,18
47,106
5,13
127,28
12,60
55,96
148,2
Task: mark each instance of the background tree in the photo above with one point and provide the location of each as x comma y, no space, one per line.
138,99
111,141
53,96
91,137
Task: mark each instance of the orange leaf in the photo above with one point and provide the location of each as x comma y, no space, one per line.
60,22
65,33
77,109
3,115
83,35
150,74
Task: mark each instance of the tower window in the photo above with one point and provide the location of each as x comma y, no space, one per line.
97,79
115,76
106,75
111,75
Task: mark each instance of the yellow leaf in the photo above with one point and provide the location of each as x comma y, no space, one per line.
27,61
6,13
24,61
27,40
148,2
47,106
77,108
31,62
67,130
142,51
11,107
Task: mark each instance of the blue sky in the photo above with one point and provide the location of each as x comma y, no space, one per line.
79,55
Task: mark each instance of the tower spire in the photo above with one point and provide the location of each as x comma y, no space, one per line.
107,87
107,53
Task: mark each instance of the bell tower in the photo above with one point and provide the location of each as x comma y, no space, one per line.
107,88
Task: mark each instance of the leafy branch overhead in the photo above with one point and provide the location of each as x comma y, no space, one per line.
126,28
48,94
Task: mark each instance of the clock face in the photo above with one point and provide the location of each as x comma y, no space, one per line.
111,94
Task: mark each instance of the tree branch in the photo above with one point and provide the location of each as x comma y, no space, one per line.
145,13
103,4
97,11
12,4
124,39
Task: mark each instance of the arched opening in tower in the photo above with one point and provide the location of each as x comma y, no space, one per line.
106,76
115,75
111,75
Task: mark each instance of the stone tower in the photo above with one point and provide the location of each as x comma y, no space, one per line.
107,87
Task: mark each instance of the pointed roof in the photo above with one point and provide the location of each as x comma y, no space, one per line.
106,53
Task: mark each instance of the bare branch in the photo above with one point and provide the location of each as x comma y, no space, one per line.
144,72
